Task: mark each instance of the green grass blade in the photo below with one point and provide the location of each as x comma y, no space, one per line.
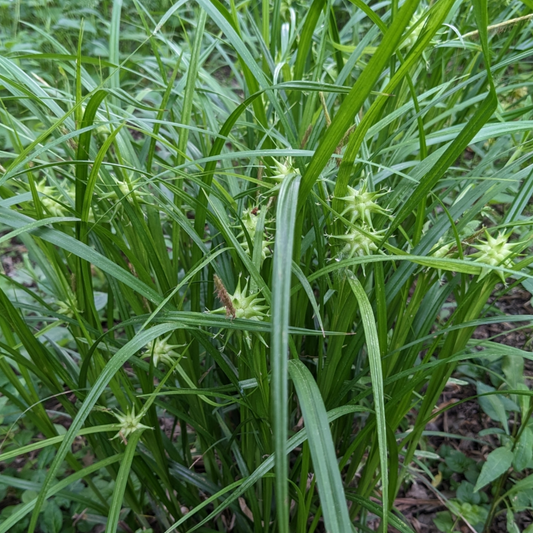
54,489
55,440
355,98
111,368
114,47
376,375
68,243
306,37
192,73
263,469
285,217
121,481
467,134
328,478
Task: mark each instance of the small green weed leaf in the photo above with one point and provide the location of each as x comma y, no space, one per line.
457,461
513,368
52,519
498,462
444,522
473,514
472,473
522,500
28,495
465,493
521,486
511,524
524,450
492,405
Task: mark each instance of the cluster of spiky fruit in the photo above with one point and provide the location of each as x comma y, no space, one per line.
360,206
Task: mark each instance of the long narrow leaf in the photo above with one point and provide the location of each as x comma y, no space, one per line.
285,216
327,473
112,367
376,375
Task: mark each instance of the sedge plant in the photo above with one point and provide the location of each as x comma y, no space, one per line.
243,223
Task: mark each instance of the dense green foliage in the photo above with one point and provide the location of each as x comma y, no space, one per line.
253,239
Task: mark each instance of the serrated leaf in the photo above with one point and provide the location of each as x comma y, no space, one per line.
498,462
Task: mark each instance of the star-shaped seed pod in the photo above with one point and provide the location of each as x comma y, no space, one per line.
128,189
129,423
358,243
495,251
249,306
49,200
68,308
361,204
250,218
284,170
240,304
441,249
161,352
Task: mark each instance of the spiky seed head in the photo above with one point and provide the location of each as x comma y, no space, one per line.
49,199
284,170
67,308
359,241
129,423
250,218
248,306
127,188
495,251
161,351
361,204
